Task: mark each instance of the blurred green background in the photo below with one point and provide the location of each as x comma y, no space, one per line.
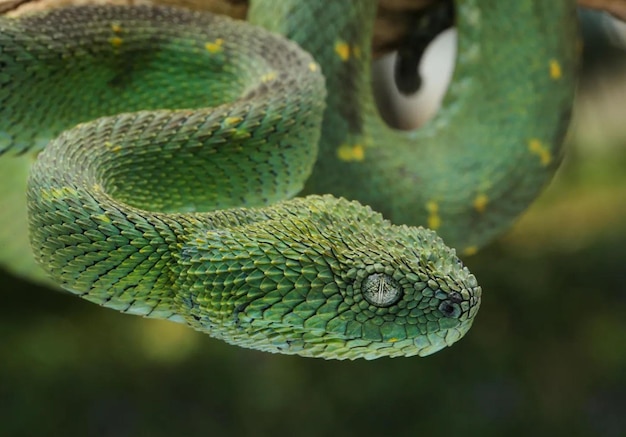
546,355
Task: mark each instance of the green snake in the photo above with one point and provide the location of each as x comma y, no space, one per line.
176,141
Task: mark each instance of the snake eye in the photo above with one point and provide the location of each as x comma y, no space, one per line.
450,309
381,290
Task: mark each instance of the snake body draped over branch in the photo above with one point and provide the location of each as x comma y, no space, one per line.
167,147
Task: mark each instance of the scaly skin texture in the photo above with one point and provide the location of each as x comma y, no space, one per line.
181,213
496,142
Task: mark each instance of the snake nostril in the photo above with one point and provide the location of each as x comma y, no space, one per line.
450,309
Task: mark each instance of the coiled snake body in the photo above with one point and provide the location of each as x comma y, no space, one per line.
178,202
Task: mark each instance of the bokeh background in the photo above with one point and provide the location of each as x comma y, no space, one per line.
546,355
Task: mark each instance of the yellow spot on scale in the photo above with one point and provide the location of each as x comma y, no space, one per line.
392,340
116,41
115,27
268,77
103,218
480,203
215,46
434,220
470,250
343,50
350,153
57,193
112,147
537,148
313,66
555,69
233,120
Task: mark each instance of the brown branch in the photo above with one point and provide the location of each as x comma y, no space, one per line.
614,7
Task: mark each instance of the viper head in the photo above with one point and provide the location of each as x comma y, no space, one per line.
325,277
